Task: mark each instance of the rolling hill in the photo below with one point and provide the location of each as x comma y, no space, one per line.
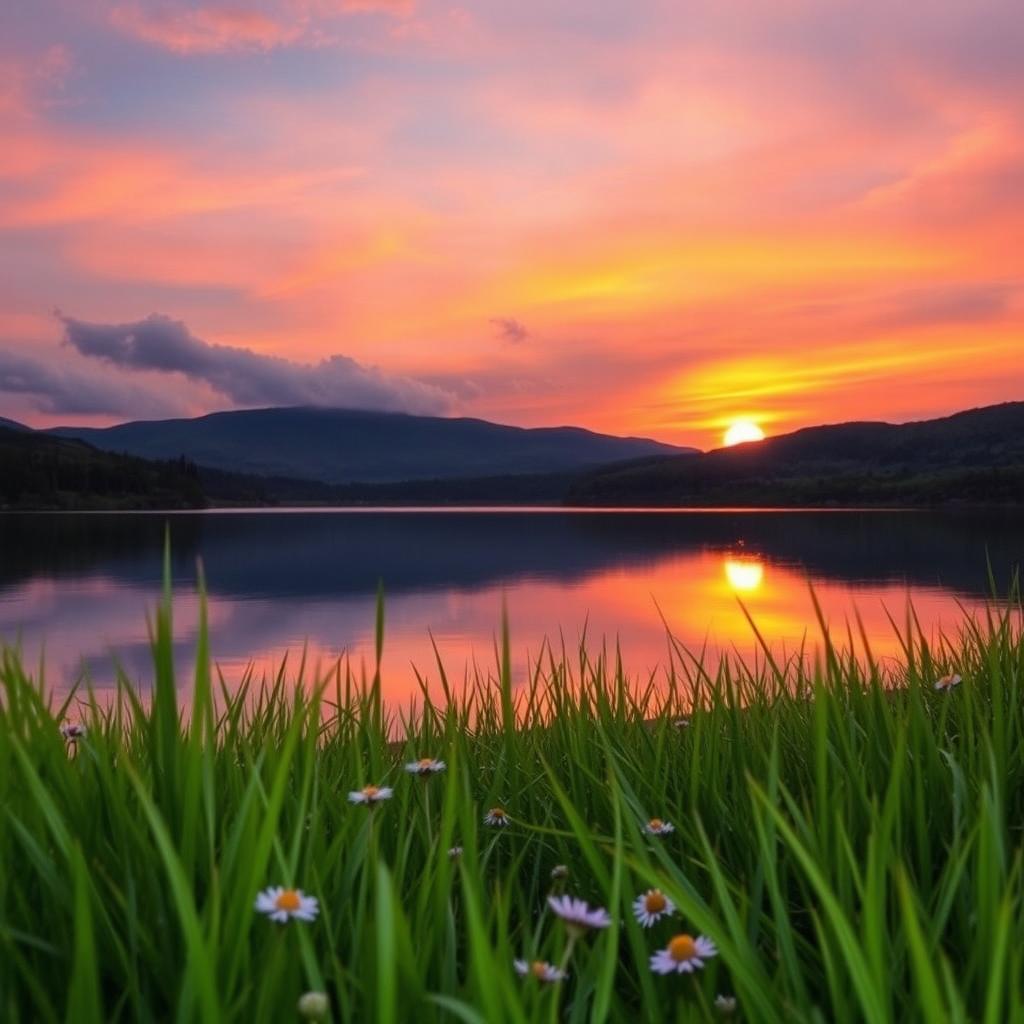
976,455
340,446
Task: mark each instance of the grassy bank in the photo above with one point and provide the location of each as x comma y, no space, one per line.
848,836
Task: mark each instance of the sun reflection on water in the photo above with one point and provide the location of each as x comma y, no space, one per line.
745,575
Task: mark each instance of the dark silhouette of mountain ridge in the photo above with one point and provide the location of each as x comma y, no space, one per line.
339,446
976,455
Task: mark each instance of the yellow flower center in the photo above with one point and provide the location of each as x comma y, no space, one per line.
288,900
682,947
426,762
370,791
539,968
655,823
497,812
654,902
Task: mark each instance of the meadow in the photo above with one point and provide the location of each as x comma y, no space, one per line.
829,839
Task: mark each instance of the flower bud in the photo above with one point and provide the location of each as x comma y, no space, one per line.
314,1006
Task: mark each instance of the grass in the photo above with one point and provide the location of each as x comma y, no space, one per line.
848,836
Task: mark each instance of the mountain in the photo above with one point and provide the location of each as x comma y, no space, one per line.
976,455
39,471
341,446
7,424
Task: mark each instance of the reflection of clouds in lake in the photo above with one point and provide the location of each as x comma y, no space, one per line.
82,624
86,623
278,583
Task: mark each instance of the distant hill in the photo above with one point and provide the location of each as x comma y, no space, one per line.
46,472
12,425
341,446
39,471
974,456
971,457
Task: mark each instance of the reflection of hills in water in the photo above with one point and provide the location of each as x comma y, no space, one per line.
320,554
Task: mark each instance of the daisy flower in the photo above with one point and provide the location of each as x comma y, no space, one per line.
559,873
72,731
539,969
577,914
948,682
683,955
425,766
370,795
455,853
649,907
681,723
497,816
280,904
725,1005
657,827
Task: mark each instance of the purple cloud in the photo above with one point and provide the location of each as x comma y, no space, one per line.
64,387
158,343
510,329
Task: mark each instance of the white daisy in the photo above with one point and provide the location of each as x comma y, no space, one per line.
683,955
649,907
577,914
72,731
559,872
425,766
280,904
539,969
725,1005
657,827
681,723
948,682
455,853
370,795
497,816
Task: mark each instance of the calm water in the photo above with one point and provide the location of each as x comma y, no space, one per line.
78,586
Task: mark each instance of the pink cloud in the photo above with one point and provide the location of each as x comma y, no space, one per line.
210,29
203,29
64,178
26,82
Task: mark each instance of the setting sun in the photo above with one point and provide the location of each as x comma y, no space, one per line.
741,432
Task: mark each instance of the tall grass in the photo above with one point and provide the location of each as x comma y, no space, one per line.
849,837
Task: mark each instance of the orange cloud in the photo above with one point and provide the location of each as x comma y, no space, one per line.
67,179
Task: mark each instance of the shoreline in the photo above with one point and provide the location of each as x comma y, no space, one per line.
533,509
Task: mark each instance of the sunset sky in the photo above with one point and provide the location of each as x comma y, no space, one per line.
641,217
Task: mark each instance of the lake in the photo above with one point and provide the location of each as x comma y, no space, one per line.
75,588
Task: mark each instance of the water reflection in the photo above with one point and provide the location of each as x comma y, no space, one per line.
74,589
744,575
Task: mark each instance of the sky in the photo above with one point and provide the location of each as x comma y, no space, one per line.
640,217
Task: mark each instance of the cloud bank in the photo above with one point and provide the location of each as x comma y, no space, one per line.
58,387
160,344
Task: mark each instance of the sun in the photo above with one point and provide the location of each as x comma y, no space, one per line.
741,432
